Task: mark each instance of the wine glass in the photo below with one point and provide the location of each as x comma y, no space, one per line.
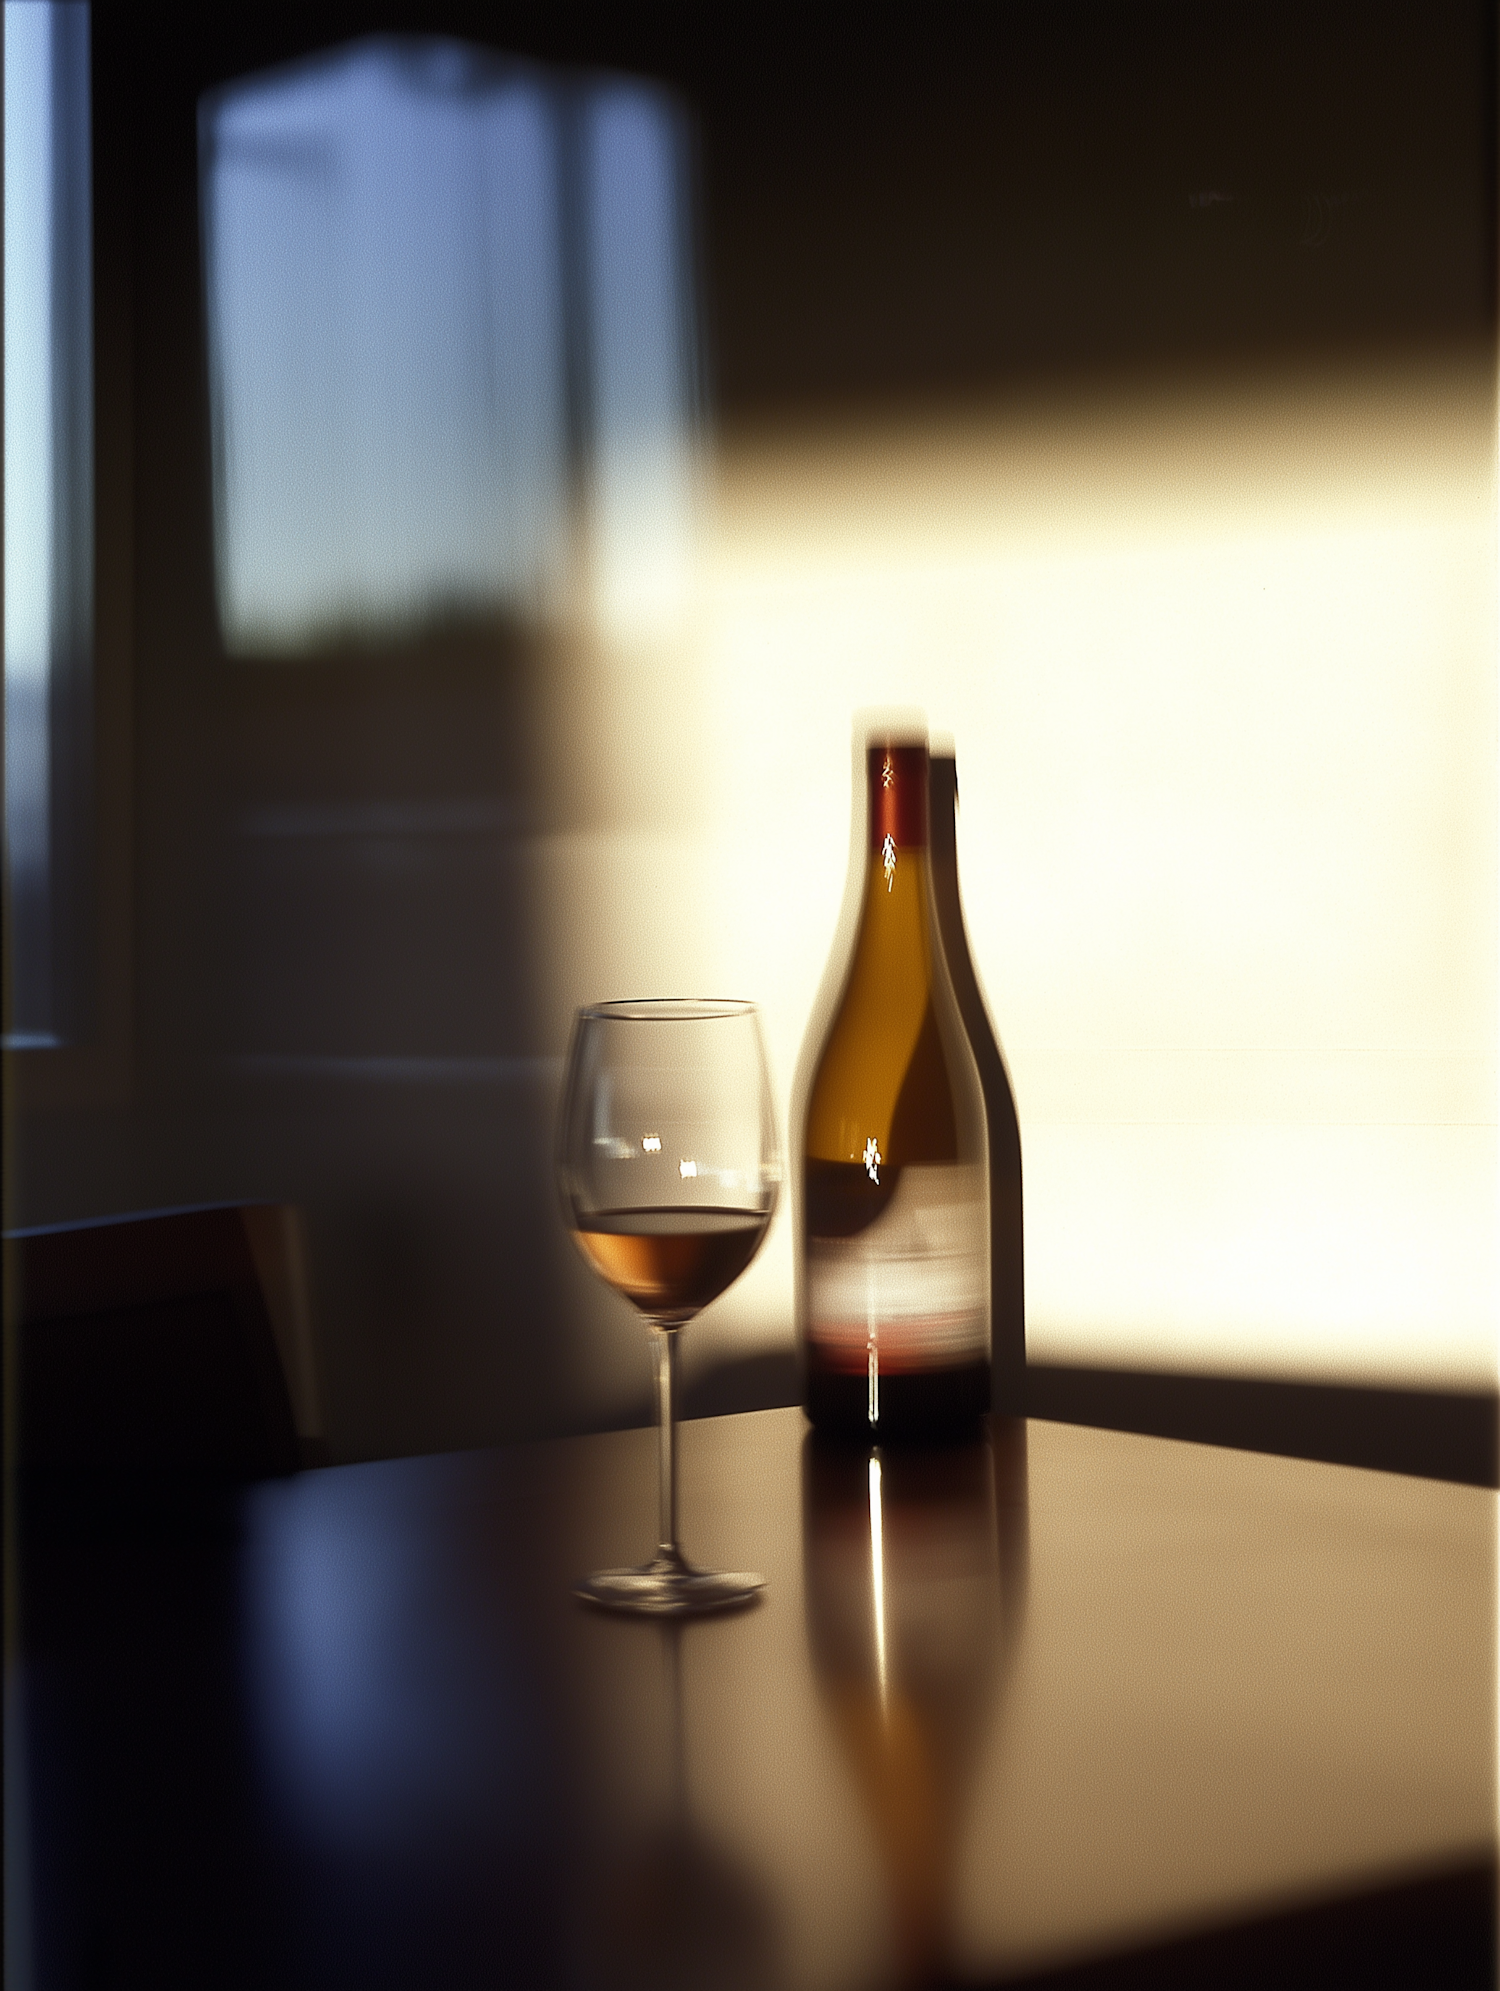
668,1168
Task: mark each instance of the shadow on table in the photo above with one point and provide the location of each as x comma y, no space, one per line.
1437,1932
1436,1434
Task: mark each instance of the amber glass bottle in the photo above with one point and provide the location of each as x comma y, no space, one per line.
895,1290
1007,1251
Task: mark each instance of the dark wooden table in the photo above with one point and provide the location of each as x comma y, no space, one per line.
1071,1707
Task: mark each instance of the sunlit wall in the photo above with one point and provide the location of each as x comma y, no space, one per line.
1220,667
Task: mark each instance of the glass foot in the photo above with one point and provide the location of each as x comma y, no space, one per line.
670,1589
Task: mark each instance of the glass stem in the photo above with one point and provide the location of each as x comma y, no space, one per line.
666,1444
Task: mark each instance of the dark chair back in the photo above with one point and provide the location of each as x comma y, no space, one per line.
145,1345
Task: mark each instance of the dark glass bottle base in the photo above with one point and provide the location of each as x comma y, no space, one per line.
923,1408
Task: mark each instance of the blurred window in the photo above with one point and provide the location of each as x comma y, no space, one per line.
450,343
49,505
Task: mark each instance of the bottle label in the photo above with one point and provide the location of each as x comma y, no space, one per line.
910,1291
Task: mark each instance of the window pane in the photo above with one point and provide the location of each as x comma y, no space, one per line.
49,503
384,322
448,296
640,335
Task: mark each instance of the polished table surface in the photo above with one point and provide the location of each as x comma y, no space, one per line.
1059,1698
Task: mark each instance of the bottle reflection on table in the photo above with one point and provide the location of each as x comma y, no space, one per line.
915,1566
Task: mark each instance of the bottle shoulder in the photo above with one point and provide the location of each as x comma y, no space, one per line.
895,1069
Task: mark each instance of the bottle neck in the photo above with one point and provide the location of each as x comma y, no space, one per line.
897,787
888,991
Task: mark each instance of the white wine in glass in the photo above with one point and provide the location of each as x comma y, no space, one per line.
668,1167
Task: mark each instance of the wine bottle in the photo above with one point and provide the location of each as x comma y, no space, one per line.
1007,1254
894,1262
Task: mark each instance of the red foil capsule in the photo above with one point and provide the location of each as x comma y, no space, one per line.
897,777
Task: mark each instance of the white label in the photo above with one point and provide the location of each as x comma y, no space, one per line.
911,1291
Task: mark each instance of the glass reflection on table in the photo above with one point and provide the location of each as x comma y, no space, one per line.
677,1909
